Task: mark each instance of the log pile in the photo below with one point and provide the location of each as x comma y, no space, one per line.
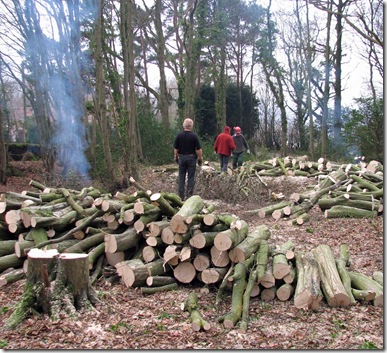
156,241
345,190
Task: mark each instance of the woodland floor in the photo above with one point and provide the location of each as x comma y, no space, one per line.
126,319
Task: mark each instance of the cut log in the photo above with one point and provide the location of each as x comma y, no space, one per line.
157,281
145,219
121,242
219,258
156,227
332,286
153,290
341,211
281,266
307,293
267,280
268,294
363,295
342,269
184,272
268,210
191,206
191,305
229,238
167,235
250,244
201,262
134,272
285,292
378,277
11,276
200,239
166,208
213,274
363,282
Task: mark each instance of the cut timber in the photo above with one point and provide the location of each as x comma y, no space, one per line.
341,264
167,235
342,211
145,219
285,292
281,266
363,282
191,206
149,253
156,227
219,258
229,238
201,239
184,272
378,277
134,272
11,276
363,295
262,260
121,242
268,210
157,281
238,288
268,294
153,290
307,294
250,244
213,274
201,262
191,305
267,280
158,200
332,287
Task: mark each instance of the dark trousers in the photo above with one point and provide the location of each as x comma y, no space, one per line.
187,167
223,162
237,160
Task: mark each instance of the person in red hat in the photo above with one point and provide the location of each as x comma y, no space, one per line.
241,146
224,145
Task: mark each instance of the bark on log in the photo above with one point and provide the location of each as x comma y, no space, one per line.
239,284
201,240
158,281
342,211
122,241
342,269
196,318
166,208
153,290
250,244
285,292
307,293
213,274
363,282
363,295
12,276
332,287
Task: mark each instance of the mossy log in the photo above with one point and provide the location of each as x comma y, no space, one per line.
363,282
196,318
122,241
342,211
200,240
166,208
326,203
238,287
332,286
342,264
164,288
11,276
378,277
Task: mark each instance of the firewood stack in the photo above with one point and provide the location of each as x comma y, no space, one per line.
156,241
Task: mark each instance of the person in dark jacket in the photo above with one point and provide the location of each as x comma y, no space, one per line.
241,146
224,145
187,149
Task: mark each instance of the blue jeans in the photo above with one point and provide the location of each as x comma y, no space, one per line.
237,160
187,166
223,162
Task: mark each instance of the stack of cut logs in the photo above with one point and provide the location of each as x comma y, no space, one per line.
156,241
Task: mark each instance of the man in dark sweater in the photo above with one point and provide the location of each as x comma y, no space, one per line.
241,145
187,149
224,145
